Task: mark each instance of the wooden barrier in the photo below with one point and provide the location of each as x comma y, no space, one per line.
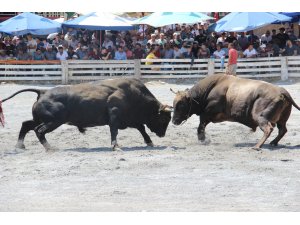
69,71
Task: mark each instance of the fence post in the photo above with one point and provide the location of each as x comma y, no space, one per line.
211,66
64,72
137,68
284,68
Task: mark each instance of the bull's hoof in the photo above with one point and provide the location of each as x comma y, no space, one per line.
150,144
201,137
116,148
256,148
273,143
51,150
20,146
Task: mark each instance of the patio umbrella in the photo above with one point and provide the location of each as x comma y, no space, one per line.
160,19
99,21
29,23
245,21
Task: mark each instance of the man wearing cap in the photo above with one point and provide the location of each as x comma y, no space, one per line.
61,54
153,40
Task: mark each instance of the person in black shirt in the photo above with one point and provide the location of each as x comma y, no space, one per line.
282,37
230,37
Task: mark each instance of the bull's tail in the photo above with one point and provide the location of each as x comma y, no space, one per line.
290,99
24,90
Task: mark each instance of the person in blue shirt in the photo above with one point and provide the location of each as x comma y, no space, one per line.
120,54
38,55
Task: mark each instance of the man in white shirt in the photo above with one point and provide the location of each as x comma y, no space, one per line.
250,52
107,42
219,53
61,54
31,44
266,38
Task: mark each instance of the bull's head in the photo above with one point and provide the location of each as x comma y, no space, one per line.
160,121
182,106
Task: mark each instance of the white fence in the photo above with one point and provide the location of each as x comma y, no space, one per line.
87,70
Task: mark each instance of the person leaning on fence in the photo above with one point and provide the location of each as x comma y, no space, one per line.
38,55
151,55
61,54
49,53
232,60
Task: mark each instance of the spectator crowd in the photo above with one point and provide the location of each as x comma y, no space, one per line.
170,42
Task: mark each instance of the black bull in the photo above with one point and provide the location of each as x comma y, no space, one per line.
220,98
119,103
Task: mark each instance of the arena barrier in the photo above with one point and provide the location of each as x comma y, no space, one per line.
69,71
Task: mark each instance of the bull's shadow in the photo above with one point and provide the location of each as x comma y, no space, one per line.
268,146
124,149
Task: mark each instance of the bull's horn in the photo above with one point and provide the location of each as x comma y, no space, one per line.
166,108
173,91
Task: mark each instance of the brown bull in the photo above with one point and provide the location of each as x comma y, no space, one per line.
219,98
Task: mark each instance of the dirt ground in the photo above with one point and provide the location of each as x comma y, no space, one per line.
178,174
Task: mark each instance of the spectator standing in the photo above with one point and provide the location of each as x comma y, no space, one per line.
120,54
253,39
232,60
176,40
243,41
282,38
21,45
71,53
31,44
195,50
151,55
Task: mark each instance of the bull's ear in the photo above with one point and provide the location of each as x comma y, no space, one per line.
173,91
187,89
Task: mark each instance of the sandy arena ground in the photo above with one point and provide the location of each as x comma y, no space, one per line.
178,174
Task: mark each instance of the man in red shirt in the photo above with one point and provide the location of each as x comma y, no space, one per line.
232,60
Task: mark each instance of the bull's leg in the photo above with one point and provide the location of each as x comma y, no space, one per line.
281,125
142,130
113,125
201,129
267,128
44,128
26,127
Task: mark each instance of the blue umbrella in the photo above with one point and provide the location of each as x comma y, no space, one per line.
99,21
245,21
29,23
160,19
